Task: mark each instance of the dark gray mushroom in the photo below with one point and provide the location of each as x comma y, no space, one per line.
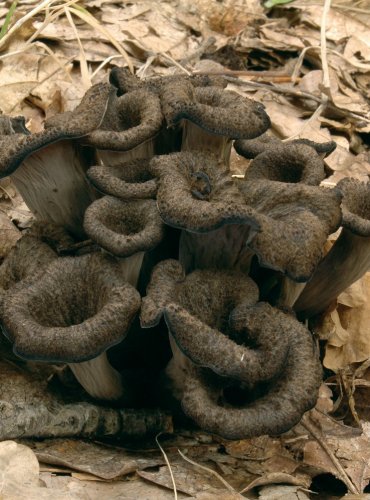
48,168
125,229
348,259
131,180
282,403
211,116
130,127
72,313
250,148
197,195
196,308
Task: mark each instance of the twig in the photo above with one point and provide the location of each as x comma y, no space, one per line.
168,465
174,62
211,471
86,80
324,55
308,122
203,47
322,442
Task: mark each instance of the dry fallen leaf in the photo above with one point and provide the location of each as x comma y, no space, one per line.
104,462
347,328
352,452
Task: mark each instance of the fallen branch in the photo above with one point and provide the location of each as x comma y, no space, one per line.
79,420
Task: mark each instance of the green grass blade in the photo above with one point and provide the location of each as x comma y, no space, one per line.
8,18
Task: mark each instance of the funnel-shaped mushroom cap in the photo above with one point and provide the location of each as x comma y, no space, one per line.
348,259
124,227
295,222
250,148
125,81
73,312
289,162
218,111
130,120
196,193
88,115
287,398
204,313
355,206
129,181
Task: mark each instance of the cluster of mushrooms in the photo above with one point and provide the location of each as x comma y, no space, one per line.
139,216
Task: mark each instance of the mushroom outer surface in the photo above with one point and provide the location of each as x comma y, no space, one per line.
130,180
124,228
74,311
287,398
196,193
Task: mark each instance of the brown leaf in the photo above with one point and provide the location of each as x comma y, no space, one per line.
352,452
347,328
101,461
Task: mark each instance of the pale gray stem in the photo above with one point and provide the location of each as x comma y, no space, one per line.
289,292
99,378
116,158
130,267
223,248
195,138
53,184
347,261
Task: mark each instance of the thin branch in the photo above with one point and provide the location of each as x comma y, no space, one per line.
322,442
211,471
168,465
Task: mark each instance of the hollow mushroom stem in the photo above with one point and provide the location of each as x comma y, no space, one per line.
98,377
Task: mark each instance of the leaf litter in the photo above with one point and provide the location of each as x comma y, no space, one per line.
50,51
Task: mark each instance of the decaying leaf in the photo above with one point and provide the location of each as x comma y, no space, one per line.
101,461
347,328
352,452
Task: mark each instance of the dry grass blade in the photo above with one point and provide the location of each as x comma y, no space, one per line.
18,24
211,471
324,55
89,19
8,18
86,80
320,439
168,465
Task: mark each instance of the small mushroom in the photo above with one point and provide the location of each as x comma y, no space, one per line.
125,229
197,194
72,313
196,308
131,180
125,81
129,128
349,257
283,401
295,219
250,148
48,168
211,117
